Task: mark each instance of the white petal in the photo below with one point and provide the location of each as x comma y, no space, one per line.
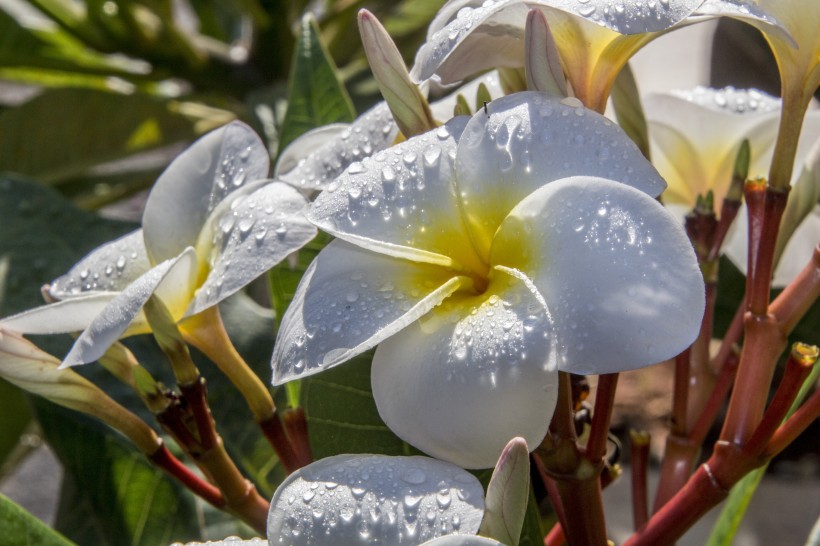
492,35
305,144
746,11
230,541
374,499
62,317
347,302
108,268
473,373
695,136
402,202
172,281
616,269
530,139
371,132
249,235
196,182
462,540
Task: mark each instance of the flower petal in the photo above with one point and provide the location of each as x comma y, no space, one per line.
371,132
62,317
247,236
492,35
695,136
401,202
303,145
473,373
196,182
374,499
347,302
615,268
462,540
172,281
529,139
108,268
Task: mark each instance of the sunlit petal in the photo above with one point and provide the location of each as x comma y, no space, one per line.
374,499
401,202
171,280
108,268
462,540
196,182
372,131
473,373
71,315
615,268
247,236
350,300
529,139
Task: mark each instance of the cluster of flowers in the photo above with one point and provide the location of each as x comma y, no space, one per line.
480,257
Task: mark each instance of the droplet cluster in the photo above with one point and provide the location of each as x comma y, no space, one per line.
111,267
731,100
399,196
373,131
374,499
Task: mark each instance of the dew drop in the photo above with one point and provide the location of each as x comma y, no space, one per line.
414,476
432,156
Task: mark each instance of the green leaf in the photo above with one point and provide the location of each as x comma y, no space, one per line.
628,109
43,235
342,415
131,502
20,528
316,95
14,418
532,533
95,127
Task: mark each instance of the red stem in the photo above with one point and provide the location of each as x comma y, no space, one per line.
165,460
724,382
275,433
728,212
798,297
755,194
680,393
555,537
797,369
794,425
552,490
601,418
639,447
196,394
761,275
731,337
296,427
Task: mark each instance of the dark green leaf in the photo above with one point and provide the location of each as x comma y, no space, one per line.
316,95
20,528
94,127
130,501
14,418
342,416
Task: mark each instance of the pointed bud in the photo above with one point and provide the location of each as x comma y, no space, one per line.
169,339
35,371
482,97
406,102
508,494
462,108
542,61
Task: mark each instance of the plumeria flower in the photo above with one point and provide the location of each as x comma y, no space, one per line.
481,258
374,499
212,224
695,136
595,38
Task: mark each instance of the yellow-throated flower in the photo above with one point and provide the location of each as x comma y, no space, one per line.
482,257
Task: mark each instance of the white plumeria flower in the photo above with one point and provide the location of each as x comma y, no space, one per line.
695,136
211,225
374,499
480,269
595,38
